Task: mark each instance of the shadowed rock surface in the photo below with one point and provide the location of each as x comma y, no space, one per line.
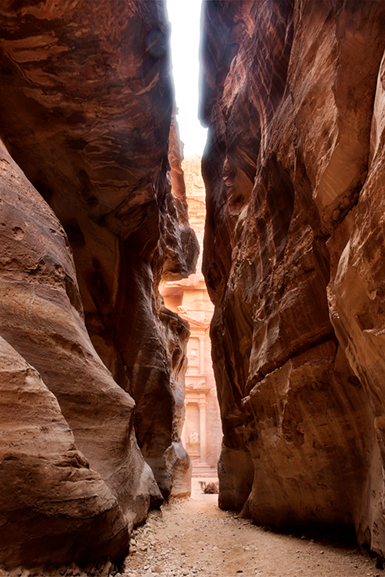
86,108
293,95
42,318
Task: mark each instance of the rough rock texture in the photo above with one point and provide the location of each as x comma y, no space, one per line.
85,110
174,469
293,94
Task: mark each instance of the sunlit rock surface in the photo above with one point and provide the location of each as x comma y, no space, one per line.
85,110
294,98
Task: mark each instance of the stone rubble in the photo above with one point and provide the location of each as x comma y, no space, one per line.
192,537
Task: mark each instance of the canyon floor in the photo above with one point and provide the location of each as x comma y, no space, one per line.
193,538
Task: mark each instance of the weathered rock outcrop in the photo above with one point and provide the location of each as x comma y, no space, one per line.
293,95
85,110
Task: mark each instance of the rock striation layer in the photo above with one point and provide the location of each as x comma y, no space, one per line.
293,96
86,112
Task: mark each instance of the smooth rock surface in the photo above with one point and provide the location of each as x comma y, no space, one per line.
67,456
292,94
51,502
86,110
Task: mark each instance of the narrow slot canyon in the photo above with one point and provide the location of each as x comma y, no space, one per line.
188,308
202,432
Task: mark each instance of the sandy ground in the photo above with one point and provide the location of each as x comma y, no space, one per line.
193,537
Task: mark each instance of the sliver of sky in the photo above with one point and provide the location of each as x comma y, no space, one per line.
184,16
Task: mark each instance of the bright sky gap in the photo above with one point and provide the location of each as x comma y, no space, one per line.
184,16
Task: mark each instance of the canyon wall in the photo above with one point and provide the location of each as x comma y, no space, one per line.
91,359
293,95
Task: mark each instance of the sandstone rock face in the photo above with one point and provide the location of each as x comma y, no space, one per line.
51,501
293,95
70,459
86,111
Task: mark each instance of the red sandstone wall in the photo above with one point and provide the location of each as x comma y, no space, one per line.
292,93
85,110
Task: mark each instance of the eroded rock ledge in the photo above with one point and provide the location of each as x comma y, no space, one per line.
85,111
293,95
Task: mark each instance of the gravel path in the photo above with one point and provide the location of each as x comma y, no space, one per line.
193,537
